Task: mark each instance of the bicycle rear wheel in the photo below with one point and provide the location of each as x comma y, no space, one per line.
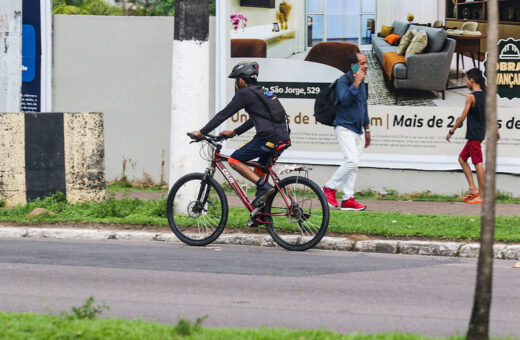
197,209
303,225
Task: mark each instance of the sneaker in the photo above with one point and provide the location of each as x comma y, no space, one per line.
262,193
351,204
331,197
475,200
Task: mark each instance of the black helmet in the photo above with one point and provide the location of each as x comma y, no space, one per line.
245,70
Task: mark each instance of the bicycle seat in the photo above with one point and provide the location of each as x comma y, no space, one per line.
282,147
278,151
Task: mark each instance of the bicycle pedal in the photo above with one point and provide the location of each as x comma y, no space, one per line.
252,223
256,211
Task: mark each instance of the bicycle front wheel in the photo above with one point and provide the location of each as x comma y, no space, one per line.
197,209
300,214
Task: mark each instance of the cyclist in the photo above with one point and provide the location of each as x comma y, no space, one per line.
270,130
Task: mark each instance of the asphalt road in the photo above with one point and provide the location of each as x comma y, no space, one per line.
254,287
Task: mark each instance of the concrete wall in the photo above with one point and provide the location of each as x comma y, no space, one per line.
10,55
12,158
41,153
120,66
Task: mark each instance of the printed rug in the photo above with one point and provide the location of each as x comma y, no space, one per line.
380,94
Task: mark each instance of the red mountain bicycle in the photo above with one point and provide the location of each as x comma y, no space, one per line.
296,215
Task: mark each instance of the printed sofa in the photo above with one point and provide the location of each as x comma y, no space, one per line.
427,71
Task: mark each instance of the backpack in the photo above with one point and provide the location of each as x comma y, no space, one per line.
326,105
273,105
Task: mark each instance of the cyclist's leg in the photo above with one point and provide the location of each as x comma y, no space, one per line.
255,148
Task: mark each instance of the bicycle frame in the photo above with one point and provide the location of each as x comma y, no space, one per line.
218,163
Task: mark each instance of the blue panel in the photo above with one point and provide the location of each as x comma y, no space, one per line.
28,53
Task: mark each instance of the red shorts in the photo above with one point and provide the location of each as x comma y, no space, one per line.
472,149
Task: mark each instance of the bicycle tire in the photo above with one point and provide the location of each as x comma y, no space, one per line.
294,238
189,207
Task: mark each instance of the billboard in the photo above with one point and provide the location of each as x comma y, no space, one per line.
305,51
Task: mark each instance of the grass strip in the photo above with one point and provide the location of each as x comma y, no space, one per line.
35,326
388,224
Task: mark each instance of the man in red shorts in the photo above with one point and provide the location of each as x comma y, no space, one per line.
475,111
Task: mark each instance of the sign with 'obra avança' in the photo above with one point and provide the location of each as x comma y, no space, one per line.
508,68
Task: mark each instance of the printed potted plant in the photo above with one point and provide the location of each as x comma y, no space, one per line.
238,20
283,15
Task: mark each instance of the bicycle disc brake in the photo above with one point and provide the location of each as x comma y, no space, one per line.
195,209
298,213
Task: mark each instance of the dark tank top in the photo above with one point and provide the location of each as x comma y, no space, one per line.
476,129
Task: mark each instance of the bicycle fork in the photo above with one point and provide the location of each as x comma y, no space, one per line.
202,196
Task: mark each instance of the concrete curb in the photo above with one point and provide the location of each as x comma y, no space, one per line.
429,248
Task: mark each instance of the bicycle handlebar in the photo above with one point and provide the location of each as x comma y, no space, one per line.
208,138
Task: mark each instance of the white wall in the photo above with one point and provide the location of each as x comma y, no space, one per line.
120,66
424,11
10,55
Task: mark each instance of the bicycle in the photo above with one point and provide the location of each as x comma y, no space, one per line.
296,215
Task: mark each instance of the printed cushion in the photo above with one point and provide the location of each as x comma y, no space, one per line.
400,27
436,37
418,44
405,42
386,30
392,39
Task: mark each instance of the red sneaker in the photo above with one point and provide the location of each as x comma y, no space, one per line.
331,197
351,204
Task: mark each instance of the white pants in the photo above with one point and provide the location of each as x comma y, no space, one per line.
352,145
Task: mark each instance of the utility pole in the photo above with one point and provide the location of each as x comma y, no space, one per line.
190,85
10,55
479,323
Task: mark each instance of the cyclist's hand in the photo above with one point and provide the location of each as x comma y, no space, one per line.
197,134
228,133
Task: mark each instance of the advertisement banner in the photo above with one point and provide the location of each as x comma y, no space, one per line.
298,58
508,69
36,56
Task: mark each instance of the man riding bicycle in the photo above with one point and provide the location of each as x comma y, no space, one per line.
270,125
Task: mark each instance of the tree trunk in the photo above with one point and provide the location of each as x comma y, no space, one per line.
479,323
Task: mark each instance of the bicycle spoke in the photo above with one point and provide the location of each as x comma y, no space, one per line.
197,216
307,214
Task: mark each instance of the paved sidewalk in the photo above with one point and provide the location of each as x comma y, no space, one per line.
411,207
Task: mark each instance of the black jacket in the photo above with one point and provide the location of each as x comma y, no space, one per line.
259,117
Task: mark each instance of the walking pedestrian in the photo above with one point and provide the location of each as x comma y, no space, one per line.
475,111
351,127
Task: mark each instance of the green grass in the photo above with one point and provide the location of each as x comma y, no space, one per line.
134,211
131,211
42,327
